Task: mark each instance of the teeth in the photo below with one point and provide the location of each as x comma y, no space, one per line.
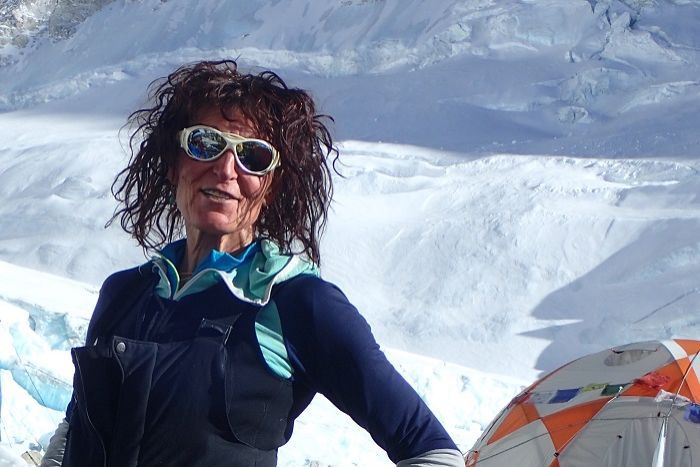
217,194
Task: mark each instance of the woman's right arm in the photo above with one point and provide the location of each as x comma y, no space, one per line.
337,355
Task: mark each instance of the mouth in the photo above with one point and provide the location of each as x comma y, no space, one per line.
217,195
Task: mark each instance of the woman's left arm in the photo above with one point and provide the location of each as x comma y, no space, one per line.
53,457
436,458
334,351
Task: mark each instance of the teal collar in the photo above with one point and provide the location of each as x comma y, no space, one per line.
249,275
175,252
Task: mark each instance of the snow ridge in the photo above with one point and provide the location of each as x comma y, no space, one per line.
520,184
555,76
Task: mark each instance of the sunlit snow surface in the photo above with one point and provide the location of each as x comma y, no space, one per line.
520,186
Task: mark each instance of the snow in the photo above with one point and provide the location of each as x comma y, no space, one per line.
520,185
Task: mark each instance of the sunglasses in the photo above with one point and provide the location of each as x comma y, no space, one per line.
204,143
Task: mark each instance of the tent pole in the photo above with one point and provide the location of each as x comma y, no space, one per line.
658,460
661,442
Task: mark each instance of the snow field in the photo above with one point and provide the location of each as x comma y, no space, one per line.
581,77
531,260
510,252
520,184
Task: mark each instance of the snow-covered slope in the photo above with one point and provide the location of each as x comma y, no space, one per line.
475,261
443,253
520,182
570,77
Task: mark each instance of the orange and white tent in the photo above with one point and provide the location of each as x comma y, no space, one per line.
632,406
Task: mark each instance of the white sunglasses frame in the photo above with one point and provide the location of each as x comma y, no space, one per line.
232,140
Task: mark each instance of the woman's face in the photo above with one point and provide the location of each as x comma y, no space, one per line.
217,198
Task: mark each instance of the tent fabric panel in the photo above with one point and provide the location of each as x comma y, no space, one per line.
644,345
592,429
677,373
607,430
496,422
486,434
681,448
581,399
614,443
625,432
673,371
689,346
690,437
530,446
536,385
677,347
519,416
633,445
692,379
565,424
695,359
593,370
691,387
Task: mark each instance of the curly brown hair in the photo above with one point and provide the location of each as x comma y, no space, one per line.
302,189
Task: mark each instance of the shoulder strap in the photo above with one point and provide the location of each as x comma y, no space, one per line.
110,308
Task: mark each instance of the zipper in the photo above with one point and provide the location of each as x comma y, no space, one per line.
179,293
87,415
164,273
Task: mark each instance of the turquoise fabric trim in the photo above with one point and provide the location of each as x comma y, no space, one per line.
205,279
171,255
270,267
250,277
207,272
223,261
164,287
268,329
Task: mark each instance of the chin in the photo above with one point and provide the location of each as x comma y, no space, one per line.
216,225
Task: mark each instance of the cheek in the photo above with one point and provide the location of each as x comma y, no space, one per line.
185,179
251,186
187,173
183,200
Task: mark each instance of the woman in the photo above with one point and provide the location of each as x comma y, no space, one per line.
207,354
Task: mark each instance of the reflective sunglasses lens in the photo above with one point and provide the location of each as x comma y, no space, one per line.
204,144
254,156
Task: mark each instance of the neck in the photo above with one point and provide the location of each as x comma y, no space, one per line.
200,244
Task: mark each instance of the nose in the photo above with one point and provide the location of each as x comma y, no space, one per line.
225,166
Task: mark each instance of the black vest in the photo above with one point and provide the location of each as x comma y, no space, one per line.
176,384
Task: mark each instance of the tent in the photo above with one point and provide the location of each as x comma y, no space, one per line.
634,405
